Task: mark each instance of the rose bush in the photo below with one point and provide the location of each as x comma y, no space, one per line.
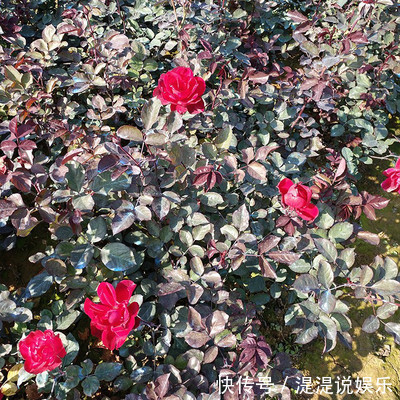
187,200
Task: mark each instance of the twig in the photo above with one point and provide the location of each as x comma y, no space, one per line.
121,16
293,124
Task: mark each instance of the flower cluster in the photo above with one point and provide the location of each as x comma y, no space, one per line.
111,321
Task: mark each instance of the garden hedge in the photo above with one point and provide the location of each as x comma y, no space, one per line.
191,164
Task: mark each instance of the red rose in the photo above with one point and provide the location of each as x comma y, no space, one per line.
392,183
297,197
113,319
42,351
182,90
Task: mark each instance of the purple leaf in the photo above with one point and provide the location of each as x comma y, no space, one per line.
297,16
284,257
107,162
196,339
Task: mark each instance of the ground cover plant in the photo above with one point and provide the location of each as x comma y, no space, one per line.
191,164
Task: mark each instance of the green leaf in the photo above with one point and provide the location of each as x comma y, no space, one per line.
129,132
337,130
139,50
239,13
104,183
75,176
108,371
387,287
73,379
82,255
55,267
300,266
230,232
231,44
224,138
371,324
196,251
161,206
142,213
181,154
141,375
186,238
277,125
96,229
394,329
147,311
256,284
257,171
326,216
260,298
325,274
66,319
364,124
391,269
305,283
150,112
346,258
209,150
72,349
342,320
150,65
326,248
42,379
12,74
386,311
174,122
329,328
211,199
200,231
83,203
87,367
363,80
310,48
366,274
307,335
90,385
240,218
118,257
356,92
38,285
327,301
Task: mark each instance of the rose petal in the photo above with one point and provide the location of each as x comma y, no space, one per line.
108,338
197,107
124,291
294,199
309,212
107,294
284,185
